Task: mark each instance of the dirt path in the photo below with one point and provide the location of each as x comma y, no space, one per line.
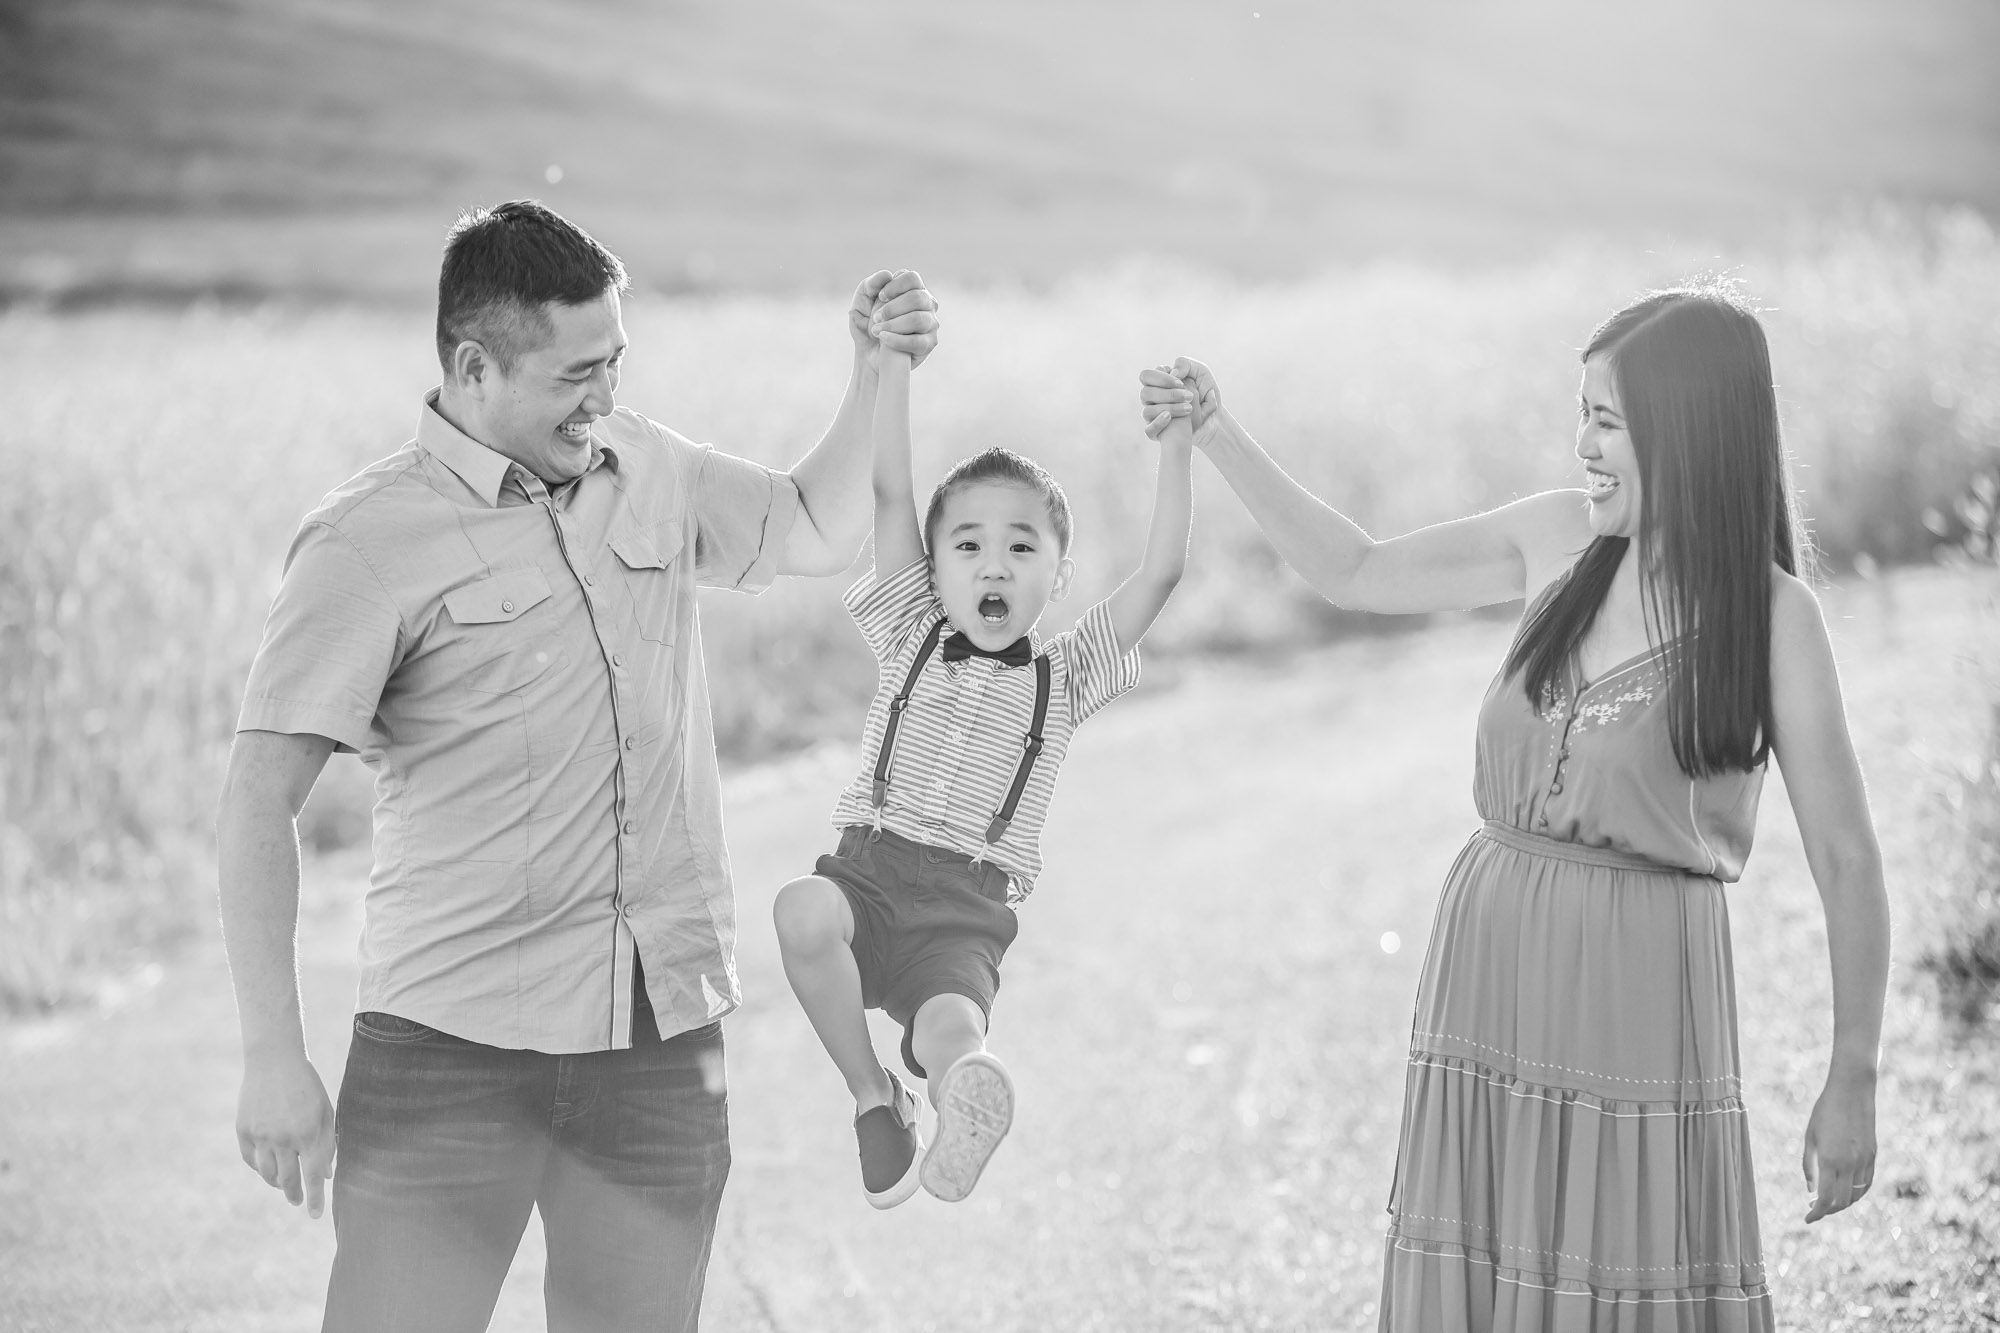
1206,1029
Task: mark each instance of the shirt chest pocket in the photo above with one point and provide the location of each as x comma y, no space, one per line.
646,554
497,646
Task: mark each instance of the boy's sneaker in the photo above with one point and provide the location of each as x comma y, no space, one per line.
975,1106
891,1147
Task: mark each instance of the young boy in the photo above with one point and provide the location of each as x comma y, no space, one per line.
940,831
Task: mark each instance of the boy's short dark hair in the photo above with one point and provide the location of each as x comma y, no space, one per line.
1009,468
502,265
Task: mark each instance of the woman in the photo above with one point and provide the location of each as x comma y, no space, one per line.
1574,1153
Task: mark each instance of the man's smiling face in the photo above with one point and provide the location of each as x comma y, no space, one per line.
538,413
997,561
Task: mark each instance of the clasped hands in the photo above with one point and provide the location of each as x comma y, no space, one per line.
893,310
1187,388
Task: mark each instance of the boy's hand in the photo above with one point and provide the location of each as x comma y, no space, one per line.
894,310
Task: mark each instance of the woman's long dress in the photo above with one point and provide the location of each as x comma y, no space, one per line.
1574,1152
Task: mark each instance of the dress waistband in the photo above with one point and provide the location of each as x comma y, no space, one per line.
1536,845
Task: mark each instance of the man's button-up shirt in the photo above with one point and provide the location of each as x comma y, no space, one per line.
521,668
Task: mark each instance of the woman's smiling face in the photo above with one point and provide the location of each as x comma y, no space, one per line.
997,561
1611,465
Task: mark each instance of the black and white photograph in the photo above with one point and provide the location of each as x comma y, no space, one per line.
581,581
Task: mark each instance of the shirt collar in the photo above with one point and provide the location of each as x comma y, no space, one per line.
484,470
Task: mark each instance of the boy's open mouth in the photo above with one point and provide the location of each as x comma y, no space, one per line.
993,608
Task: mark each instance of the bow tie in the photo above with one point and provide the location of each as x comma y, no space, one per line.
957,648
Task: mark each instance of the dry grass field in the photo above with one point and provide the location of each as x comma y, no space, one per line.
1206,1028
158,462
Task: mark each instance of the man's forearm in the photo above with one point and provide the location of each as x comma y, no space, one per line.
258,869
833,478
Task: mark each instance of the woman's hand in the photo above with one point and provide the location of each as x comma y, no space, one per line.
1839,1157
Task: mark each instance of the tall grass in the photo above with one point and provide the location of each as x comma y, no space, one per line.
157,462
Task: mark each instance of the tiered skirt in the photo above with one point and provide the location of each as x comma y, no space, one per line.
1574,1153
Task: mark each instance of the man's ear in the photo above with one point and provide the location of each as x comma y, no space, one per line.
1065,571
473,369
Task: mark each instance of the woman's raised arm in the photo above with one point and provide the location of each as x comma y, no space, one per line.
1492,557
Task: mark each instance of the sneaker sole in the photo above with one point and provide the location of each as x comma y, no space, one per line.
975,1111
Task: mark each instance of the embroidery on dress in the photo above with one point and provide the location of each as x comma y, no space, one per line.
1603,712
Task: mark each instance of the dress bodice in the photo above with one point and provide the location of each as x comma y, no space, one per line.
1595,765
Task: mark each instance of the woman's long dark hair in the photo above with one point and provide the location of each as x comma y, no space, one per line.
1694,379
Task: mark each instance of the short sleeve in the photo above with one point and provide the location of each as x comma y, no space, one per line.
1098,672
888,610
330,642
743,512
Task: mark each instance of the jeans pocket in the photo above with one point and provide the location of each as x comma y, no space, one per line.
378,1026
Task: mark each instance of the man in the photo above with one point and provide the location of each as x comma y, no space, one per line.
500,619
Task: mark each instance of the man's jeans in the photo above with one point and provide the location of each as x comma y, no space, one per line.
445,1146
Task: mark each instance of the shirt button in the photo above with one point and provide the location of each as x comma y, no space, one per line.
631,742
506,606
631,826
1555,788
587,580
618,659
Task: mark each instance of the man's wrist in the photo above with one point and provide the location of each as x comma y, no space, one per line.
276,1044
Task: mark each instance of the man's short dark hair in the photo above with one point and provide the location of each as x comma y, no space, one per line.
502,265
1008,468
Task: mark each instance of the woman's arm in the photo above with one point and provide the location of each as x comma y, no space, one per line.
1139,599
1493,557
1830,803
899,541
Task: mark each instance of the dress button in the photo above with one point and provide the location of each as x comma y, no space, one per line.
587,580
631,742
631,826
1556,788
618,659
506,606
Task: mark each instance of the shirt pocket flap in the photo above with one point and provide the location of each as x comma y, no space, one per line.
650,547
501,598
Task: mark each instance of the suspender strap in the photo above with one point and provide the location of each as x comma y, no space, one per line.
1031,746
879,796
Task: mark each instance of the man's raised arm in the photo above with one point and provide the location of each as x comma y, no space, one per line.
890,310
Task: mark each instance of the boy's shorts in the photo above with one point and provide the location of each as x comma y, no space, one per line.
926,922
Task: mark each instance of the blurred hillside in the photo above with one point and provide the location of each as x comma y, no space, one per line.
320,148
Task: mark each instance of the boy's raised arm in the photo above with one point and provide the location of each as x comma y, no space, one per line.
899,542
1138,601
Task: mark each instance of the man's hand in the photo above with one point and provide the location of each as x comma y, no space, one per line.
284,1127
893,310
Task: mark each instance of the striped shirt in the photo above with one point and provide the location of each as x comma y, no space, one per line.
960,740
